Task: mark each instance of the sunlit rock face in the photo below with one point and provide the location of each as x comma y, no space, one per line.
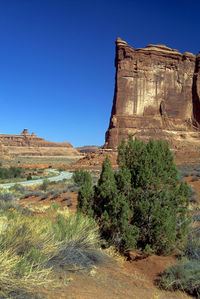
27,144
157,92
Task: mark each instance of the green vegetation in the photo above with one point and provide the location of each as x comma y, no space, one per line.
184,275
31,247
80,241
143,205
80,177
29,177
45,185
86,191
12,172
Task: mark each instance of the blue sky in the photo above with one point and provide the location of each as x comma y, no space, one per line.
57,59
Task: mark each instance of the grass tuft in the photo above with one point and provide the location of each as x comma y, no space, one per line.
81,242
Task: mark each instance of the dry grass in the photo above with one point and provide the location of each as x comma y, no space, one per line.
114,253
11,283
26,232
31,248
25,247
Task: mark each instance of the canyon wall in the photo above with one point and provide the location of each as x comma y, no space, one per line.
157,92
27,144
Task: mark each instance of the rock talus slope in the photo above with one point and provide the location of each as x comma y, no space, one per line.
157,91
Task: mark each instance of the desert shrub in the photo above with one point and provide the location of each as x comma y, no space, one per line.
183,175
68,200
81,241
64,190
185,171
18,188
44,185
12,172
43,197
192,195
194,179
73,188
7,196
143,204
32,193
196,218
26,245
8,201
53,190
192,246
55,196
13,286
25,233
184,276
27,195
7,205
52,183
193,174
31,246
29,177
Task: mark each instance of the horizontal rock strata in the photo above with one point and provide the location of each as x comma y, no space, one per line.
27,144
157,92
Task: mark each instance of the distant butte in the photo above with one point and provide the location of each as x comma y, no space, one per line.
157,94
27,144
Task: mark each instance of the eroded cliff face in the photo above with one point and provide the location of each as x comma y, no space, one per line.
27,144
157,92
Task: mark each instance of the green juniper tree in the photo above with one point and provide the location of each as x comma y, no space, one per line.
111,207
83,180
160,205
143,204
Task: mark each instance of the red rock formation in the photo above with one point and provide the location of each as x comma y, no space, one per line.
27,144
157,93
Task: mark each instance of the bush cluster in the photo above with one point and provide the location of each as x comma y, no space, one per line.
184,275
143,204
12,172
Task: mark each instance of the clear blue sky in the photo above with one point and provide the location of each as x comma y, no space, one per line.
57,59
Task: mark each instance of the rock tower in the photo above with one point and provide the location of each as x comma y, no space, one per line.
157,91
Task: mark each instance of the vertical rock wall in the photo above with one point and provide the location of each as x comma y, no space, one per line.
156,93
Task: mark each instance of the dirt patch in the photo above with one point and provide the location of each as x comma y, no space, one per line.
118,281
40,206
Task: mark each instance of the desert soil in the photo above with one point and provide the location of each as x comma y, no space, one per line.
116,279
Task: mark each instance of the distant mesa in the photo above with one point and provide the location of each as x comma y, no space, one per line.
89,149
29,144
157,94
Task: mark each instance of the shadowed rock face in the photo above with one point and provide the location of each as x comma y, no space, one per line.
156,94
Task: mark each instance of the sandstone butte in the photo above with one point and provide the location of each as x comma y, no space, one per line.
157,94
27,144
